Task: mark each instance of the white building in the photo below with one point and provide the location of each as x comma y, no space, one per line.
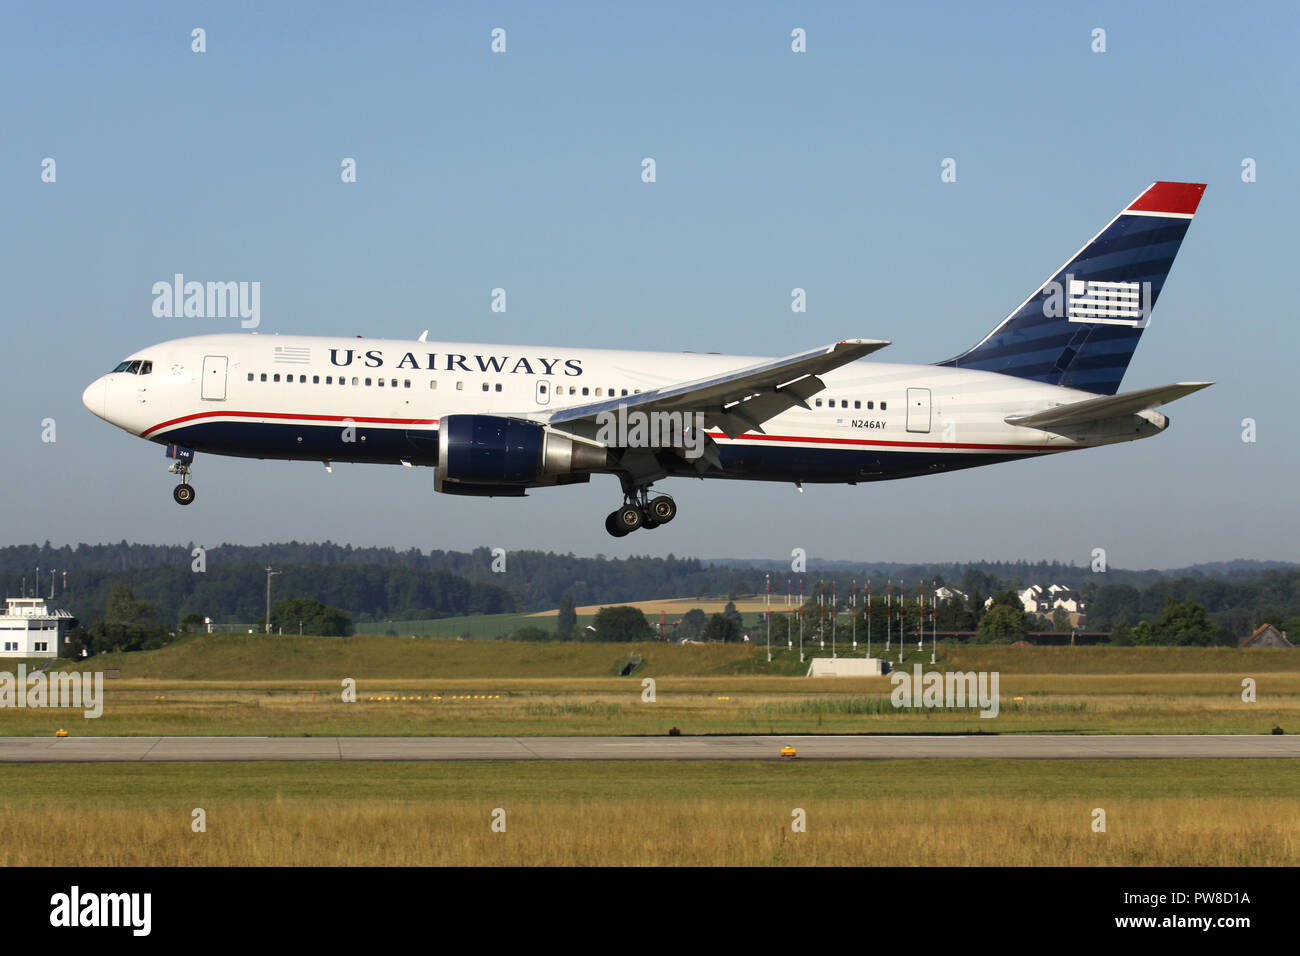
1037,599
1068,598
31,628
946,593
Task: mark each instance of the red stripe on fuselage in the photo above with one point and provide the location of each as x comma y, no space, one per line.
284,415
808,439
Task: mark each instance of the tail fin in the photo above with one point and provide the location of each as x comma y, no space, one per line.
1080,328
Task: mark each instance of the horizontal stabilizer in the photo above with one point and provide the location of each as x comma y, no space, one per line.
1110,406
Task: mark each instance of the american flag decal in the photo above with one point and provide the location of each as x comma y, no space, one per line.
292,355
1105,303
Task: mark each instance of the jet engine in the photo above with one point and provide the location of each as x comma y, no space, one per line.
496,456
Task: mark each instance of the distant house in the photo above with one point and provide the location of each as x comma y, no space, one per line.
1035,600
1068,598
946,593
1266,635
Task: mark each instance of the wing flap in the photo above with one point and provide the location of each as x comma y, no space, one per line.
741,400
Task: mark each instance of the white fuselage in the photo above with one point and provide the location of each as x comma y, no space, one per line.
289,397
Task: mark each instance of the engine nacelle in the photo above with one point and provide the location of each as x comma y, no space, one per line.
493,455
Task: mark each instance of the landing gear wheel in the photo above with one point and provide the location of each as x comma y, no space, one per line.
661,510
184,494
611,525
627,519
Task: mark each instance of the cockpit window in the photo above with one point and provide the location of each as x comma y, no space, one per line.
136,367
122,367
146,368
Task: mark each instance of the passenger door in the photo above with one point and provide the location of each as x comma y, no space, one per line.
918,409
213,388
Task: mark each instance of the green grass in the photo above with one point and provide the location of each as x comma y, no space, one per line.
1118,660
490,626
290,686
246,657
147,785
470,627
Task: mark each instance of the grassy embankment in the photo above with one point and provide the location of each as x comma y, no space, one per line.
242,685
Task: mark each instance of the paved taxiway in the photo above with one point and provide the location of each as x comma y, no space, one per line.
128,749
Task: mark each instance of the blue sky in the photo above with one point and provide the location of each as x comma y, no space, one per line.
775,170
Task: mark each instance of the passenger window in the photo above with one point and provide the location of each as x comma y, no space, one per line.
542,388
433,383
302,379
406,383
498,386
871,405
355,380
393,382
263,376
250,376
857,404
485,386
368,381
882,406
460,386
624,392
315,379
598,393
276,377
819,403
329,379
381,383
584,390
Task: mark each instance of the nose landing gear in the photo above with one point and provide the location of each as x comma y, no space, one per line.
184,492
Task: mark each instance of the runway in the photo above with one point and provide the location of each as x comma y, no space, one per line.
1121,747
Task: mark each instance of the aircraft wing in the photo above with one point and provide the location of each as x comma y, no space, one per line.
738,401
1108,406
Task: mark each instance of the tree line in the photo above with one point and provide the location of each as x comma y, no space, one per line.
377,584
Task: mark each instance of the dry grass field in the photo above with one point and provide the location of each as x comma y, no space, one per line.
962,812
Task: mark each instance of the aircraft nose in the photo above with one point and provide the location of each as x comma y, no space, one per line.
95,397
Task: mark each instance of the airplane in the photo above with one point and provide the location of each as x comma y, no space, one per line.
497,420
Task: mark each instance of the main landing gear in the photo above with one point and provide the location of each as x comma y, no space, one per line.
640,511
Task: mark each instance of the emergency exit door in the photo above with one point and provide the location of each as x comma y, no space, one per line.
918,409
214,378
